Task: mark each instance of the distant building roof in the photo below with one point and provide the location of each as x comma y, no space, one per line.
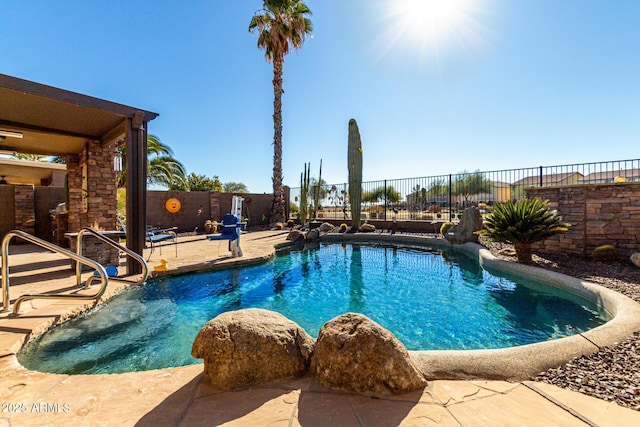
16,171
550,179
611,175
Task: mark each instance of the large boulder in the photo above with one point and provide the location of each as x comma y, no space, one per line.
326,227
295,236
367,228
312,234
353,353
465,231
251,347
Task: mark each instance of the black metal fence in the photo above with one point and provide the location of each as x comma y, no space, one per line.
443,197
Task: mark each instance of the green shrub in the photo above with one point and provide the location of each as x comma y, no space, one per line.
526,222
445,227
605,253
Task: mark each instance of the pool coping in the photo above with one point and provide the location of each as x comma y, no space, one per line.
526,361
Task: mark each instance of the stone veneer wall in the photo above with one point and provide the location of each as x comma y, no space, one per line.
101,188
103,197
600,214
25,216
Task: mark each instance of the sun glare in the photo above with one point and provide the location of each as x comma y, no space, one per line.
430,17
433,28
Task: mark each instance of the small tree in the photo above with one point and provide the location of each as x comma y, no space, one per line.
193,182
523,223
437,190
381,193
470,184
234,187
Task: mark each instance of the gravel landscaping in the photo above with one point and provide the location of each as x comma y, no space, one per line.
613,373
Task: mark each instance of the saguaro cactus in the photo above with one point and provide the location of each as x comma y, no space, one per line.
304,193
317,191
354,160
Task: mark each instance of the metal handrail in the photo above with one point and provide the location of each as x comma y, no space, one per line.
50,246
102,238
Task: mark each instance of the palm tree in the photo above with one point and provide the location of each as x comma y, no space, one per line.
162,168
281,25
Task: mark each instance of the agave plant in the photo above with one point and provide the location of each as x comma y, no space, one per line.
526,222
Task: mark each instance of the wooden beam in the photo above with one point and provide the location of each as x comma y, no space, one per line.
114,135
136,189
24,126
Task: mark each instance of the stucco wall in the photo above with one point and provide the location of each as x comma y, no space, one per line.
198,206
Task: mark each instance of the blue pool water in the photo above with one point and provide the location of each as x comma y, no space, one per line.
428,299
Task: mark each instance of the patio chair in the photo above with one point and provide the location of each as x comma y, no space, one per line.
230,231
157,235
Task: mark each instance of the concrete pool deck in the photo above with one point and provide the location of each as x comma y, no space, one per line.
178,397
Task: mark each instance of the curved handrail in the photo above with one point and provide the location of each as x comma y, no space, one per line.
113,243
50,246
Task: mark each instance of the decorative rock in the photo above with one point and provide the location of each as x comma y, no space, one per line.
251,347
464,232
353,353
367,228
635,259
295,235
210,226
325,227
507,252
313,234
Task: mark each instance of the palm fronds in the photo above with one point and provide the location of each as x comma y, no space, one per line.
523,223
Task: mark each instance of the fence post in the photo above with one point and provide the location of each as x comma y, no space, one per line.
385,199
540,176
450,201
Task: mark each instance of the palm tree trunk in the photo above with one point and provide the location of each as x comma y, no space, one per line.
278,205
523,252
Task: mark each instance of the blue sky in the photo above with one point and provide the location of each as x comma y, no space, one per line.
484,84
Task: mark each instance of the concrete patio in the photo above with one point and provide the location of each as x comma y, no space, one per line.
178,397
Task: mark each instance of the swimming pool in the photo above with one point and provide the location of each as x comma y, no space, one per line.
430,299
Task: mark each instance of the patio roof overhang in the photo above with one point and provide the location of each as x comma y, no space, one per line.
53,121
29,172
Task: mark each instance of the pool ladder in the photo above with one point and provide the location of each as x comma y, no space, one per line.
101,277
